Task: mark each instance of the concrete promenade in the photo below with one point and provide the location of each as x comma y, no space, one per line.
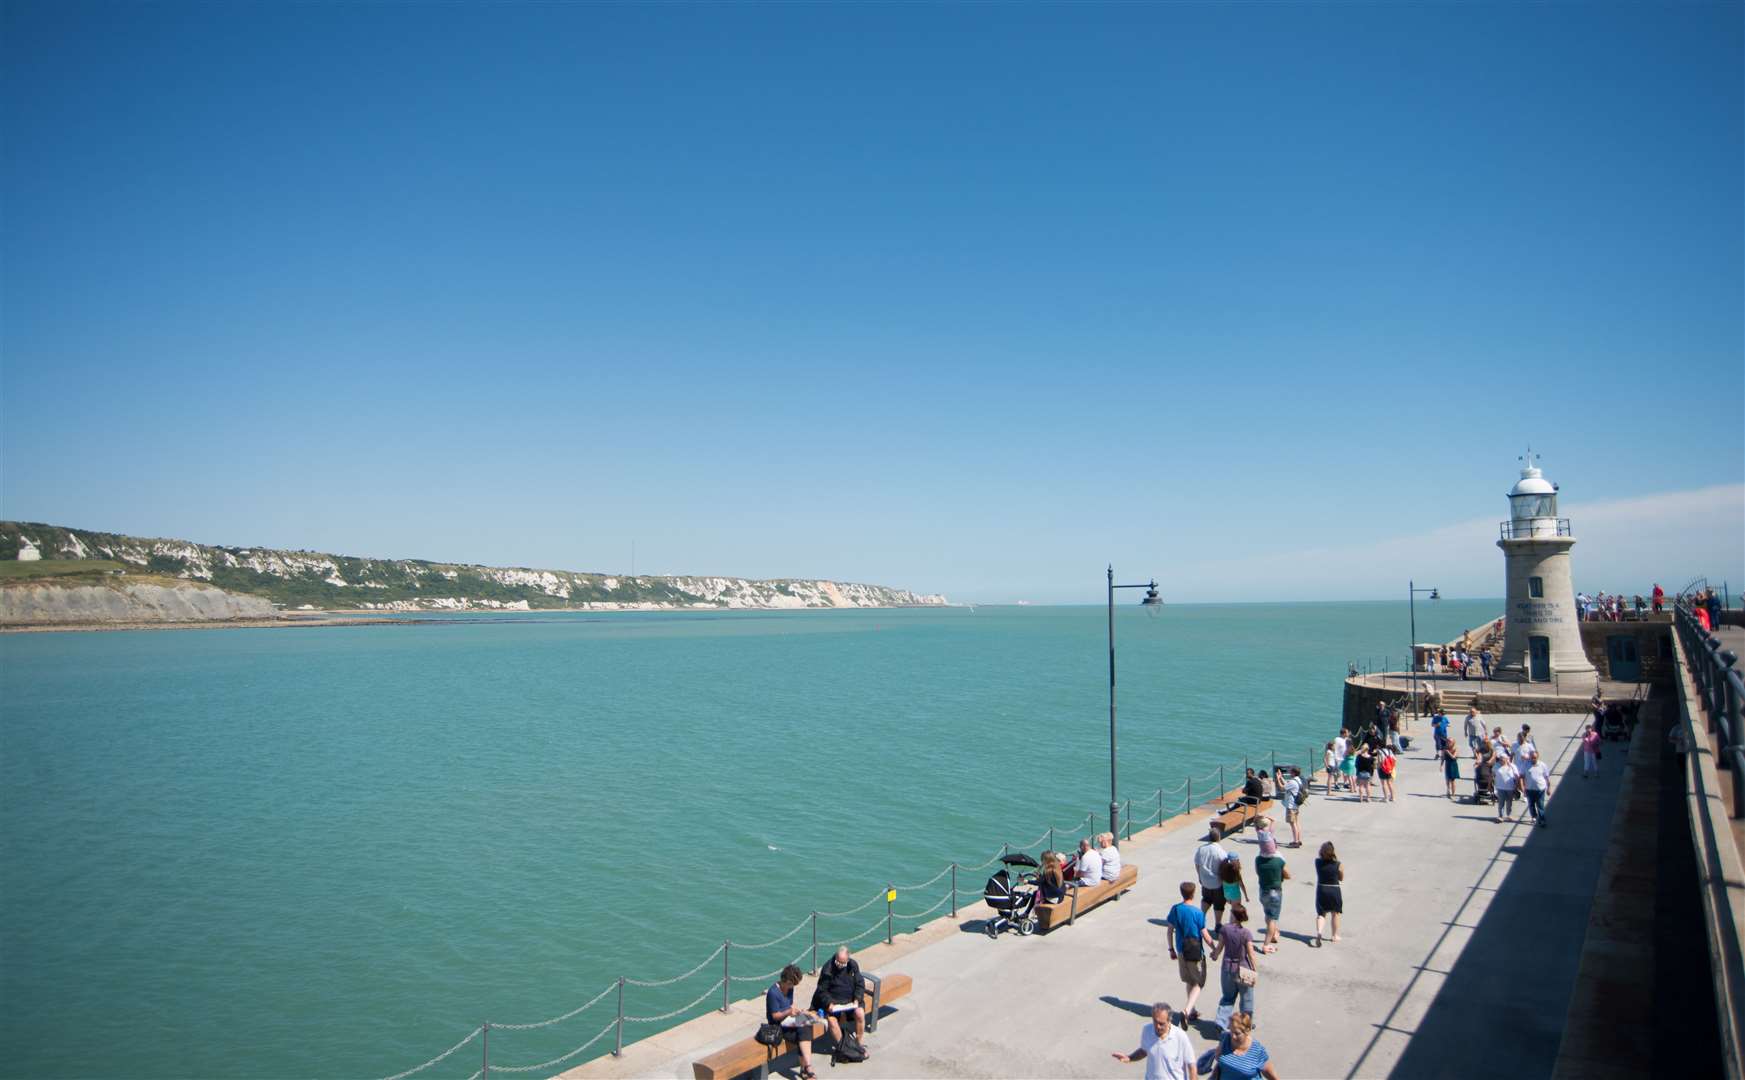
1459,932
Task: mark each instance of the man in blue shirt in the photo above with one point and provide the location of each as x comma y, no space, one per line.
1188,943
1439,728
779,1008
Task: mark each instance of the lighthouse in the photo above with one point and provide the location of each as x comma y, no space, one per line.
1542,631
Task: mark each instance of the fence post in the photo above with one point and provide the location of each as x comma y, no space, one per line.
485,1066
1221,788
1245,764
814,970
618,1050
1190,793
954,890
1005,849
726,972
1051,838
890,906
1160,806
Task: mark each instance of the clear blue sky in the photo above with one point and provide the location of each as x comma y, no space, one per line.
970,298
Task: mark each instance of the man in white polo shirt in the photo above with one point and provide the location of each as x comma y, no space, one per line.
1167,1051
1090,864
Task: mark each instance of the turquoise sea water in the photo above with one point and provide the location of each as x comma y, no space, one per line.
333,852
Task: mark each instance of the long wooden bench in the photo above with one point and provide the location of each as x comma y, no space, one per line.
748,1055
1083,898
1236,817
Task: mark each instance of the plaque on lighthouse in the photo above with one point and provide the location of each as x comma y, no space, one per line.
1542,631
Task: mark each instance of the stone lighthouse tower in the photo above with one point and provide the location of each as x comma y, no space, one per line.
1542,634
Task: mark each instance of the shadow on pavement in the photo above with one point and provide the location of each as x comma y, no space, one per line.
1514,974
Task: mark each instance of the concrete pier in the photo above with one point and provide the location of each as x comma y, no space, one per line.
1459,931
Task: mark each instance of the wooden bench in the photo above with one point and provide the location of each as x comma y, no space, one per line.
748,1055
1083,898
1236,817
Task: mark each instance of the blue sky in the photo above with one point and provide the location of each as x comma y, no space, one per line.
969,299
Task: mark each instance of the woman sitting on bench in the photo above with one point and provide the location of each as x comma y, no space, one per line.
796,1023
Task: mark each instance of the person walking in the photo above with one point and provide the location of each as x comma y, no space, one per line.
1189,941
1209,859
1590,751
1270,874
1237,971
1508,781
1167,1051
1385,767
1329,896
1473,727
1450,764
1537,780
1239,1056
1230,877
1484,662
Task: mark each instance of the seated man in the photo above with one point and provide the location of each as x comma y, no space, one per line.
1111,856
839,987
1252,791
796,1024
1090,864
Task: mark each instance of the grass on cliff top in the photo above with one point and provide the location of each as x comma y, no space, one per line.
13,570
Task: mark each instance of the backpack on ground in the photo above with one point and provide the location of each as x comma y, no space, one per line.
849,1049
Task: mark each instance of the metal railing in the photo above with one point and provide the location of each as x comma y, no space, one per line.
1533,527
1721,693
1155,808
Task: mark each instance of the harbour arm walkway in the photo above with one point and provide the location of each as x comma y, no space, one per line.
1458,930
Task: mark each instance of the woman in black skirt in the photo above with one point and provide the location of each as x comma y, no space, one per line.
1329,897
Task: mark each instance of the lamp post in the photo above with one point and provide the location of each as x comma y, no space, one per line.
1151,603
1412,592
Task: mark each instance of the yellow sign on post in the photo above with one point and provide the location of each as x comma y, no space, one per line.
891,896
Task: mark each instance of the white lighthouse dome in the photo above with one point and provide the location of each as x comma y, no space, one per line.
1532,482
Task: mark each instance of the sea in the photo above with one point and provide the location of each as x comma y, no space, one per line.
337,851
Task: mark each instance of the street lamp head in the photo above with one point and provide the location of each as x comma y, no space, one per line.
1434,595
1152,603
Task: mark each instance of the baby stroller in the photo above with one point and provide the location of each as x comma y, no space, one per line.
1484,783
1014,903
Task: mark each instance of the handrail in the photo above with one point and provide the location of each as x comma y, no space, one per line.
724,979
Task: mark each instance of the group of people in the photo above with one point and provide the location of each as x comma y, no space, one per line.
1210,926
1707,607
1603,607
1355,764
1096,861
835,1003
1458,660
1509,769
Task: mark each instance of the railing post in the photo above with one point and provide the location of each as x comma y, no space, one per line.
618,1049
954,890
814,970
1190,793
1160,806
890,906
1129,819
1005,849
1221,788
1051,838
485,1065
726,972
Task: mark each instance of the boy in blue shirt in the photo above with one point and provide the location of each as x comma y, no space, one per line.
1188,943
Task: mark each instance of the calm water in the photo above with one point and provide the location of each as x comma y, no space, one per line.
333,852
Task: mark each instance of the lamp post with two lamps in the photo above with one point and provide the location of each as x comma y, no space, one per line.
1152,603
1412,592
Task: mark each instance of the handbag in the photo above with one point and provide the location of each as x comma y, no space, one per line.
1247,976
768,1034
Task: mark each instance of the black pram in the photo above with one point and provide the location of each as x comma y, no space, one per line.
1014,903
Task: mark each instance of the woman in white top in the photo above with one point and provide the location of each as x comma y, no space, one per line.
1111,856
